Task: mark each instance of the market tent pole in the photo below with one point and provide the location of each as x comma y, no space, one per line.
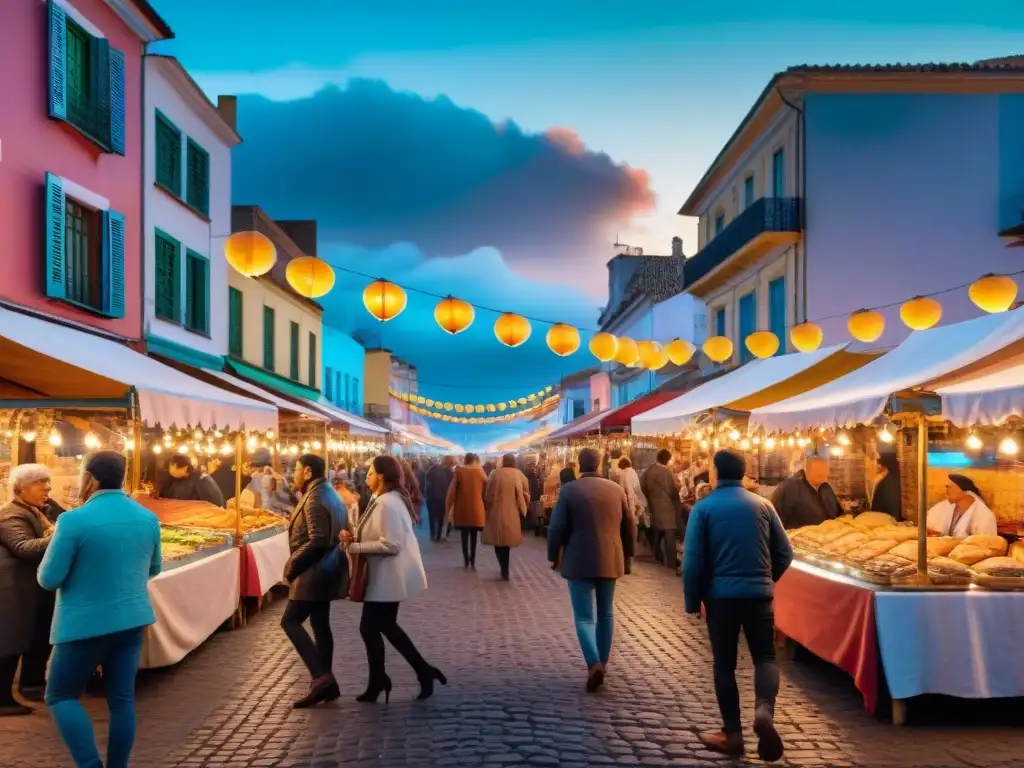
327,442
238,488
922,498
712,475
137,438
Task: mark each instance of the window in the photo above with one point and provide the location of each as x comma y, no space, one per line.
720,322
268,338
779,173
293,368
235,322
312,360
197,189
748,324
748,191
86,82
719,223
578,408
167,277
777,310
346,402
168,155
329,384
84,255
356,404
197,293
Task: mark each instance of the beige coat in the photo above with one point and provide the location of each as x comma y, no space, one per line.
507,498
465,501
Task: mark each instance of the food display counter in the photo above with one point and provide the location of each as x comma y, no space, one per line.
264,555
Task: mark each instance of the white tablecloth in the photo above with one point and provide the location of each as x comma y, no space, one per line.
972,646
190,603
270,556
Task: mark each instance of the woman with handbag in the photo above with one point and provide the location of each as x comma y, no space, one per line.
387,569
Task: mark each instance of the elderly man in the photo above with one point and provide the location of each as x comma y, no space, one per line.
25,608
806,498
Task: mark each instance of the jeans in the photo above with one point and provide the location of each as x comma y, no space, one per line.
469,544
594,632
756,617
380,620
435,511
70,671
503,553
317,653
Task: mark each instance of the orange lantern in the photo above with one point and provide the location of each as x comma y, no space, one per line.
563,339
921,313
502,406
512,329
448,406
680,351
649,353
762,344
479,408
866,325
603,346
309,276
491,408
250,253
459,408
627,353
993,293
660,360
718,349
454,315
384,300
806,337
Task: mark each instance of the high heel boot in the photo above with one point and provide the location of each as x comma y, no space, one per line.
374,689
427,678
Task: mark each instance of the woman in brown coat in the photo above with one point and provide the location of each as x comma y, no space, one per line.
465,504
507,499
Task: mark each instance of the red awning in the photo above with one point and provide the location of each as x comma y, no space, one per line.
573,425
613,418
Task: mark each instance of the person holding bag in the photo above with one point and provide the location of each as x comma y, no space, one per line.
387,569
317,574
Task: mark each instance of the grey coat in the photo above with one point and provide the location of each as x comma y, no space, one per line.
592,529
22,601
318,519
663,502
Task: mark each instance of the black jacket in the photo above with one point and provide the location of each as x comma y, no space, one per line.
435,485
194,487
313,532
798,504
886,497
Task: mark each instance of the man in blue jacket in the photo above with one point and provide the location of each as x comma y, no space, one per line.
736,549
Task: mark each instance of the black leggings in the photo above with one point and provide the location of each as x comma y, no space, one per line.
316,653
469,544
380,620
503,553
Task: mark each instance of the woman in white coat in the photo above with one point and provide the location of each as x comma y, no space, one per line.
385,534
963,512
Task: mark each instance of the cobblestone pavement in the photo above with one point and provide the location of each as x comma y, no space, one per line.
515,694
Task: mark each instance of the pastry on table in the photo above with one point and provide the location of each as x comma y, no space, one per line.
847,543
873,519
938,546
1017,551
1005,567
997,545
974,549
870,549
941,571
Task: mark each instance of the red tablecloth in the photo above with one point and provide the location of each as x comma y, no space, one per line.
248,575
834,620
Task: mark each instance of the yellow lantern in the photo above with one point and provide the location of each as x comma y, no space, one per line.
448,406
866,325
806,337
627,353
250,253
479,408
491,408
660,360
459,408
522,401
603,346
993,293
468,407
309,276
384,300
420,399
512,403
512,329
563,339
502,406
680,351
453,315
921,313
718,349
649,353
762,344
429,403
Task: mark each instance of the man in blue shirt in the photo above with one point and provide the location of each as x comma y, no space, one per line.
736,549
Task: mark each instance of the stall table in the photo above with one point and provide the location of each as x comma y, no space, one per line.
263,559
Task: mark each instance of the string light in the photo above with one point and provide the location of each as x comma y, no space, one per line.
734,435
791,442
757,441
974,443
836,450
182,449
157,450
270,434
885,435
129,444
844,439
1008,446
29,437
91,441
769,444
745,444
55,438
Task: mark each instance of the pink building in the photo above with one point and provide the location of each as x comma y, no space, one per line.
71,159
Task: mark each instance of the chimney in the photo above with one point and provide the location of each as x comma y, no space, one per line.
227,106
677,247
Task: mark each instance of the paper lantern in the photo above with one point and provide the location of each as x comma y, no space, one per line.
468,407
454,315
866,325
384,300
512,404
921,313
651,354
459,408
502,406
250,253
718,348
762,344
512,329
627,353
603,346
448,406
309,276
993,293
491,408
680,351
563,339
479,408
660,360
522,401
806,337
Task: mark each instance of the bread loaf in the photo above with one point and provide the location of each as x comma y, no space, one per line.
874,519
871,549
969,554
895,532
1017,551
997,545
846,543
938,546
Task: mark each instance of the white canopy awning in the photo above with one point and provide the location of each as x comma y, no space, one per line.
265,394
756,383
356,424
36,354
925,356
989,399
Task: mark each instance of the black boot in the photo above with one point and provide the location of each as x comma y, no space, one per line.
427,678
374,689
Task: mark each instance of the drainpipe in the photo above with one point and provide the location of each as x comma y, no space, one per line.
142,193
801,176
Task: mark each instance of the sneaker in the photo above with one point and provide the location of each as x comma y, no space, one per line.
769,743
724,743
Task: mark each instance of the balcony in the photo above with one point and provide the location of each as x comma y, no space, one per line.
767,224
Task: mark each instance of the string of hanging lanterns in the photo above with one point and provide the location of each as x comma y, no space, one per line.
439,406
456,418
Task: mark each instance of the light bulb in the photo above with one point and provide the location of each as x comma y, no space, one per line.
974,443
770,443
197,435
91,441
1008,446
270,434
704,444
55,438
293,450
791,442
225,450
183,449
129,444
29,437
251,444
801,442
317,445
885,435
836,450
745,444
734,435
714,443
756,441
844,439
157,449
218,434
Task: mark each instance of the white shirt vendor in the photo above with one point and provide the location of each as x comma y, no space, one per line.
962,513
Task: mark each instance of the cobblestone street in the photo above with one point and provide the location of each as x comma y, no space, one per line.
515,693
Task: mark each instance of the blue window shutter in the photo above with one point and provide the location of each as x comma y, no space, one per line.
55,254
58,52
100,50
117,102
748,324
777,310
720,323
113,263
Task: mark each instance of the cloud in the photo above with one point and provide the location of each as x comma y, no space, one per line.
376,167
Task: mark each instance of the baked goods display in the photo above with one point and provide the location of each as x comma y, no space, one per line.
179,543
202,514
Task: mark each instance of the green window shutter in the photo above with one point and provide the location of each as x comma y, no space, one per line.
197,293
116,121
99,75
168,155
312,360
167,276
294,367
197,187
56,257
235,322
113,263
78,82
58,53
268,338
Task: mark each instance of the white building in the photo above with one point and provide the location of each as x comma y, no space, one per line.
187,216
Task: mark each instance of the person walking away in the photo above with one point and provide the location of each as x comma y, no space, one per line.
658,485
315,577
736,550
630,482
26,609
99,562
412,487
465,505
806,498
614,472
189,484
506,497
395,573
591,537
435,490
